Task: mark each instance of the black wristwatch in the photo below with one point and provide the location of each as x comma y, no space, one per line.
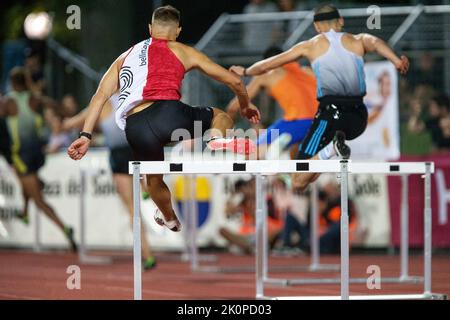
85,134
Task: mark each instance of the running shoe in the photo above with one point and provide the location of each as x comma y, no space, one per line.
69,234
24,218
173,225
236,145
149,263
343,151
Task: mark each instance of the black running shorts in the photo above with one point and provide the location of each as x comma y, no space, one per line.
119,157
29,158
149,130
335,113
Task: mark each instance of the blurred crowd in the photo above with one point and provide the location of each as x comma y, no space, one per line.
289,217
29,80
279,30
424,109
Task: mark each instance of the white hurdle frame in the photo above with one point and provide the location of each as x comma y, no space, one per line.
403,277
269,167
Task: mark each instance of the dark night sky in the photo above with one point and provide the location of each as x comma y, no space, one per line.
199,15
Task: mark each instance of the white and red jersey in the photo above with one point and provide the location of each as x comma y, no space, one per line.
150,72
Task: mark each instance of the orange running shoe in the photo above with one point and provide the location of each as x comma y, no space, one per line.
236,145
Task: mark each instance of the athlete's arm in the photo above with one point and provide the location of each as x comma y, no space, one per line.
296,52
200,61
374,44
253,89
107,87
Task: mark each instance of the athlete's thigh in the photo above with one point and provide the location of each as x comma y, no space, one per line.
270,134
144,142
354,123
320,134
298,129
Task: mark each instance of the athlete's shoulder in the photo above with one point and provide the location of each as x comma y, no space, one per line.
316,39
182,48
178,45
355,37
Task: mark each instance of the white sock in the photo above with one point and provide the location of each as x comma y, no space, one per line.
328,152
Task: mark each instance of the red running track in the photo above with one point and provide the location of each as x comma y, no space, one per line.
27,275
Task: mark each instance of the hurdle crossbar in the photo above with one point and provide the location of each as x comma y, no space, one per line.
260,168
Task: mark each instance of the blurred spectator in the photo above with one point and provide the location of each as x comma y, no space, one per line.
260,6
329,207
34,74
426,72
242,202
58,138
69,106
294,210
286,5
445,128
288,26
414,139
427,128
438,113
259,35
5,139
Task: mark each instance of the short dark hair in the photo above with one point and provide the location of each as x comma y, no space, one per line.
167,14
272,51
324,9
17,77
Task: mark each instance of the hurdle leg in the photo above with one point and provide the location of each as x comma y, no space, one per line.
344,232
186,255
265,244
193,218
404,230
427,230
37,231
137,231
314,239
82,251
259,238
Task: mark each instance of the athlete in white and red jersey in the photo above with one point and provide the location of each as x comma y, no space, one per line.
148,77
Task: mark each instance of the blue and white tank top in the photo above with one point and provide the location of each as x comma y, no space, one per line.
339,72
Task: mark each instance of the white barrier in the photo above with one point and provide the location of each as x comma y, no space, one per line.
268,167
404,276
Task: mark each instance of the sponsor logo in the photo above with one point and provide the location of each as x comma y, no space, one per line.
143,53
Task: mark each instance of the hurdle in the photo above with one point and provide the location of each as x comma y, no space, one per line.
404,276
270,167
